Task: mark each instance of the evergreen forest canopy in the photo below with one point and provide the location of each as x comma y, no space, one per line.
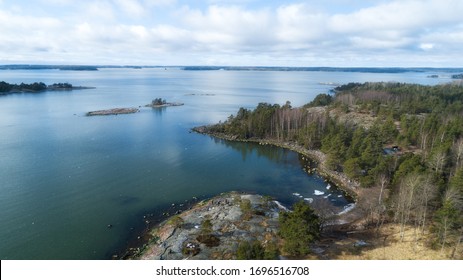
406,139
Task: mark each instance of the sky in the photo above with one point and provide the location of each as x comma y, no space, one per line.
337,33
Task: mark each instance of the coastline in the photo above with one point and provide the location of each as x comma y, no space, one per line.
350,219
351,187
160,239
164,239
346,236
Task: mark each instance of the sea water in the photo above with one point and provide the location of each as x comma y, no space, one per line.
77,187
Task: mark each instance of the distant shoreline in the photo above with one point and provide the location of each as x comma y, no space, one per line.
232,68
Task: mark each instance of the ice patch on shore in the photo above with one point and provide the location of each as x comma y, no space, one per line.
349,207
309,199
280,205
328,187
317,192
297,194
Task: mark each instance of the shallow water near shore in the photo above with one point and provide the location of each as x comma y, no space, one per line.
65,177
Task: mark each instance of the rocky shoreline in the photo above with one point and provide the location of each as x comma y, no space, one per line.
186,236
179,236
340,179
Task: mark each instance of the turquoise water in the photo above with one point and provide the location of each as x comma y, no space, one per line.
64,177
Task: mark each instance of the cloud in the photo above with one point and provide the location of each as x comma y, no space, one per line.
101,11
299,24
25,33
132,8
228,27
426,46
244,32
159,3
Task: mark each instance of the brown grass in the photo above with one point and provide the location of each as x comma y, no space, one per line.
385,245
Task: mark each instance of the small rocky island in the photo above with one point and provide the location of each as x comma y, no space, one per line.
156,103
159,102
115,111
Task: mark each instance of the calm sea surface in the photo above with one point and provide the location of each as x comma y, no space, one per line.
64,177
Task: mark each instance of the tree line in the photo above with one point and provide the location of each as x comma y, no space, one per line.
419,183
7,88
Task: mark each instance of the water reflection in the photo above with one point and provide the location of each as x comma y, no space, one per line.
275,154
304,182
159,110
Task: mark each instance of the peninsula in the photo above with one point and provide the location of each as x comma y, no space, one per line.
410,193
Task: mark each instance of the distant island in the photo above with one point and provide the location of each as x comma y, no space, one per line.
66,67
7,88
115,111
49,67
321,69
159,102
232,68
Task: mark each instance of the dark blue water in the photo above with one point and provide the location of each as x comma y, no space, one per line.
64,177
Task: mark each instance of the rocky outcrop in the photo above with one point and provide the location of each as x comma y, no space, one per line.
115,111
214,229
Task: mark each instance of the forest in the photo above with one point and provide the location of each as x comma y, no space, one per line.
405,140
7,88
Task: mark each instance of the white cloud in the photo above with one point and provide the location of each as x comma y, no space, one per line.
131,7
399,15
248,32
101,11
299,24
426,46
159,3
230,25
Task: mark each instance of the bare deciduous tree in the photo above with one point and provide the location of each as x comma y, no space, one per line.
405,200
437,161
458,152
